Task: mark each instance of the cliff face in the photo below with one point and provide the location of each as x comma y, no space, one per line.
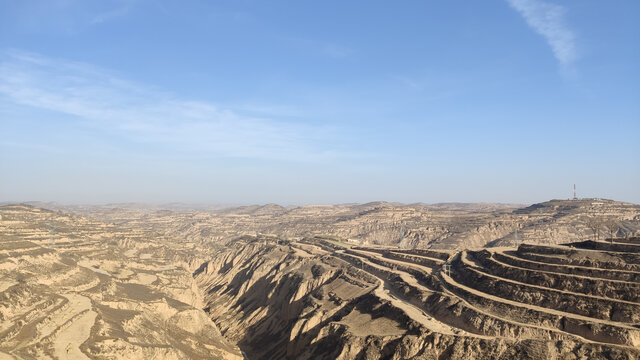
273,300
316,300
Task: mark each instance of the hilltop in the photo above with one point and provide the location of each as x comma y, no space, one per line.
438,226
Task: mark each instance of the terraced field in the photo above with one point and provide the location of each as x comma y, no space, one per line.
321,298
71,288
584,293
75,288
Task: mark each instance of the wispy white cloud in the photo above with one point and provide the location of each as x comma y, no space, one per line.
104,101
547,19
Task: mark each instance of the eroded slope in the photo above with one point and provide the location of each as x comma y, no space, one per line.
316,299
76,289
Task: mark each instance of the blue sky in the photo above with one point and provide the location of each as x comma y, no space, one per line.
301,102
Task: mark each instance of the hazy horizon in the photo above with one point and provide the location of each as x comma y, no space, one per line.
219,206
131,101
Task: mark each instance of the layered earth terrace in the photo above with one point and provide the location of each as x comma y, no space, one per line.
146,283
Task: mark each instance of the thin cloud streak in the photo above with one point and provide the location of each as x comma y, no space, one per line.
105,102
548,20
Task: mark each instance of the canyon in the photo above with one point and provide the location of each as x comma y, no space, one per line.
355,281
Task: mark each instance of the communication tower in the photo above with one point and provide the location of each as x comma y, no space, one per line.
575,196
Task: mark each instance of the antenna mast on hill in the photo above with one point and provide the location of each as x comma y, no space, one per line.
575,197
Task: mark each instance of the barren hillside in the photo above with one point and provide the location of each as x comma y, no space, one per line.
72,288
315,299
320,282
439,226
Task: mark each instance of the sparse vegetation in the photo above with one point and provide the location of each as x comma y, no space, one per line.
595,224
613,225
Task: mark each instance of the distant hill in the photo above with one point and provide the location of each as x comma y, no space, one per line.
438,226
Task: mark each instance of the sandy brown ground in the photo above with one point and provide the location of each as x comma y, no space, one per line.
76,288
408,305
72,288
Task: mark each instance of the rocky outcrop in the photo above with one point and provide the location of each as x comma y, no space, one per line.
315,300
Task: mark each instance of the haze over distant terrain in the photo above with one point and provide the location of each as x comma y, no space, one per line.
318,102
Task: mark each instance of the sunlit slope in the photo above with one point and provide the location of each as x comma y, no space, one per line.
317,299
71,288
